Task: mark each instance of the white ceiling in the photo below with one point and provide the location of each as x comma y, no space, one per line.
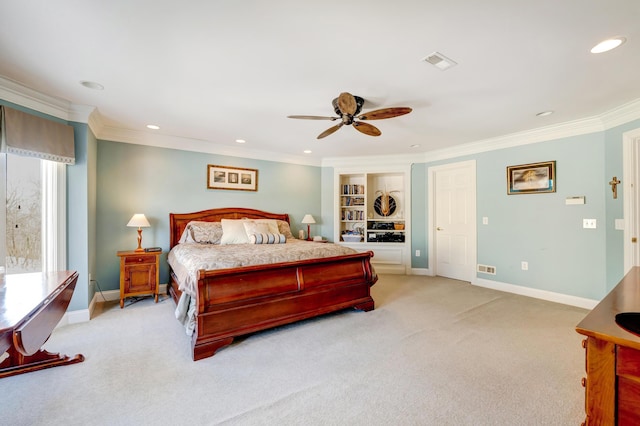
217,71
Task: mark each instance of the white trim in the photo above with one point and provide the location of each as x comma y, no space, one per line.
421,271
630,152
16,93
550,296
54,216
431,208
198,145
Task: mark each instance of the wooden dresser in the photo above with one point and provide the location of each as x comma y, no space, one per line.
612,384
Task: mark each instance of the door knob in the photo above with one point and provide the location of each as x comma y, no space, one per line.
439,229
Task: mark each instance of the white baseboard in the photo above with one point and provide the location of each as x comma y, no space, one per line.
421,271
84,315
550,296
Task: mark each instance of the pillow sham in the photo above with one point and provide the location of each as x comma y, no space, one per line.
284,229
252,227
267,238
271,223
205,232
233,231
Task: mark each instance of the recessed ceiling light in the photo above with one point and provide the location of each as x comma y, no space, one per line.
605,46
92,85
307,151
153,127
544,113
240,141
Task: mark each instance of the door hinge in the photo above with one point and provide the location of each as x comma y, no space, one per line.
634,240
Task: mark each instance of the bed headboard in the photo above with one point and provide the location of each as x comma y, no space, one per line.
178,221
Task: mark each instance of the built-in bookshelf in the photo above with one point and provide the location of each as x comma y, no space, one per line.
372,215
372,208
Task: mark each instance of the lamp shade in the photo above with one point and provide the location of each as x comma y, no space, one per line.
308,219
139,221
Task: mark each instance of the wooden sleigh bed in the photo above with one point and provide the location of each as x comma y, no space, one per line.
236,301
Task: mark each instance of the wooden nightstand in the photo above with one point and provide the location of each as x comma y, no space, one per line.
139,274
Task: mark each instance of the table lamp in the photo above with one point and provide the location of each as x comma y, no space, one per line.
308,219
138,220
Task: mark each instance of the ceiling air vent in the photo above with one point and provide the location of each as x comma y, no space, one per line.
486,269
440,61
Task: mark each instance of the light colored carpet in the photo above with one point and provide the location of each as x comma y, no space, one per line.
433,352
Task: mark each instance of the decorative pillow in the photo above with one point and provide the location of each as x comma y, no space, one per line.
233,232
252,227
284,229
271,223
267,238
205,232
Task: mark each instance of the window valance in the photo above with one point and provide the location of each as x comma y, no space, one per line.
28,135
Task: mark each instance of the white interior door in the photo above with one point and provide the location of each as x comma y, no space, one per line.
631,195
453,227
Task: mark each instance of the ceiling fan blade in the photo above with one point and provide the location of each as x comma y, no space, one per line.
312,117
367,129
329,131
384,113
347,103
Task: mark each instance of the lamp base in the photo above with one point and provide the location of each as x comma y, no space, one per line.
309,233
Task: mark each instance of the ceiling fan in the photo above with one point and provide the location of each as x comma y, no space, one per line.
348,106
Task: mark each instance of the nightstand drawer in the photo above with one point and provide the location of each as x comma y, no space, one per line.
133,260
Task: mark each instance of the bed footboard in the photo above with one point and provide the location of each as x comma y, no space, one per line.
239,301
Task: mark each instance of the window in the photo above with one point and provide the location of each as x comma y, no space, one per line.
34,215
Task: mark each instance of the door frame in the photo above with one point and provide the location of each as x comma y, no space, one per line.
431,208
631,197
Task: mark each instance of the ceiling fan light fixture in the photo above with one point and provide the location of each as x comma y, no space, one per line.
439,61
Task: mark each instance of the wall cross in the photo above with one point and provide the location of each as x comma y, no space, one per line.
614,186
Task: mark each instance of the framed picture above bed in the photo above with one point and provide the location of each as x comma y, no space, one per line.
235,178
531,178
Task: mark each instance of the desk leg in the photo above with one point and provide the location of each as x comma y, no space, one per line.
17,363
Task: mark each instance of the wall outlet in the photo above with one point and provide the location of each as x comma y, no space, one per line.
589,223
524,265
485,220
417,253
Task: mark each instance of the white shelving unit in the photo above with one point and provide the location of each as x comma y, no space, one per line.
372,211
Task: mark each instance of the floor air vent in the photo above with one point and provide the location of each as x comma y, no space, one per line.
486,269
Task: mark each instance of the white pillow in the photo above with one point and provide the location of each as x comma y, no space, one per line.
233,232
271,223
252,227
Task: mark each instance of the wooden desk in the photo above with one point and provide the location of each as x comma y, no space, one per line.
31,305
612,384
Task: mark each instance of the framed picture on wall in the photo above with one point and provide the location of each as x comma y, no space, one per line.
531,178
224,177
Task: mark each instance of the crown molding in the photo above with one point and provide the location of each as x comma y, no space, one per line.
19,94
159,140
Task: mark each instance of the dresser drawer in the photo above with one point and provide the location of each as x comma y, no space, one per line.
628,362
135,260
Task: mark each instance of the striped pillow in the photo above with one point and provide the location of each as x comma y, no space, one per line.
267,238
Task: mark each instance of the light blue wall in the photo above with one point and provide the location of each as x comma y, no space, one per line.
79,218
419,216
540,228
157,181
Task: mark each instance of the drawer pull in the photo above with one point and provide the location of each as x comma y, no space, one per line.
584,382
584,343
